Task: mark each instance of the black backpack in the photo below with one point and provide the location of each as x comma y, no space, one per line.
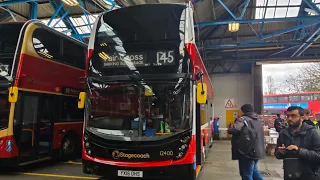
247,139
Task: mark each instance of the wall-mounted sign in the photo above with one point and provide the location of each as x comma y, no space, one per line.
229,103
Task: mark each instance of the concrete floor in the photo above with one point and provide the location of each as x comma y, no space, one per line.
47,171
218,166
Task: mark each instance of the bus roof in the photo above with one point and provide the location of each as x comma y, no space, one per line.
17,26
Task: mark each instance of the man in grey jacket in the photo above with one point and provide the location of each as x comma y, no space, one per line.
248,163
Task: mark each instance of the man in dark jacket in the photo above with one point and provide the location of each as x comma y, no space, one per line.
301,141
248,165
279,123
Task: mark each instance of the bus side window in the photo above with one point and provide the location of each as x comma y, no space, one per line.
69,109
45,44
73,54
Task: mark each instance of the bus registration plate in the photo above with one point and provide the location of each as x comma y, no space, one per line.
126,173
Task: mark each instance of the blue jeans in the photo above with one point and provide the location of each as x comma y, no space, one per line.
249,169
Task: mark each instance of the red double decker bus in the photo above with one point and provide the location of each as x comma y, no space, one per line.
278,103
149,97
39,85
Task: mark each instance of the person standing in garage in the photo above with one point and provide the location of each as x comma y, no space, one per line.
248,143
308,120
299,147
279,123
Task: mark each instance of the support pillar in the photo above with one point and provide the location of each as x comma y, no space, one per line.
34,10
257,88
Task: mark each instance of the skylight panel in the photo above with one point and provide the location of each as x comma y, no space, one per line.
295,2
283,3
280,12
80,23
294,11
271,2
277,8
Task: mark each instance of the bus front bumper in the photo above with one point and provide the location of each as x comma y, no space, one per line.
185,171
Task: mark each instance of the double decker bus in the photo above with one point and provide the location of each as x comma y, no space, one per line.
148,98
278,103
39,87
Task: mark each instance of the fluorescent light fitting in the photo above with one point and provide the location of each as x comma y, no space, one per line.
71,2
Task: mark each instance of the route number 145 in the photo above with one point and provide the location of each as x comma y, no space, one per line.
165,57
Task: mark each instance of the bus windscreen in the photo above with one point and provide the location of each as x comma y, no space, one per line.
120,107
9,35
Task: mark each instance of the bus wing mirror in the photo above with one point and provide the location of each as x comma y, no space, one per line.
148,91
201,93
13,94
81,100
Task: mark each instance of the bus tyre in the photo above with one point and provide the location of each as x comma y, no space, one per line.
191,177
87,170
69,147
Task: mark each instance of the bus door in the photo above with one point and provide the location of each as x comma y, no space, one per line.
199,154
45,125
36,127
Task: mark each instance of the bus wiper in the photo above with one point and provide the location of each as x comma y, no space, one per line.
117,79
139,77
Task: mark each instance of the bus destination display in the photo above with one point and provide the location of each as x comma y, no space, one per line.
151,58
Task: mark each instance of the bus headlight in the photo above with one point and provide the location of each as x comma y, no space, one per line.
87,145
86,137
185,139
89,152
182,147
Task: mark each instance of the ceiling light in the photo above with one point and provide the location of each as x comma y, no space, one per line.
71,2
234,27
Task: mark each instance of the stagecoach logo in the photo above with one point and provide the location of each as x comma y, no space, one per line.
117,154
32,80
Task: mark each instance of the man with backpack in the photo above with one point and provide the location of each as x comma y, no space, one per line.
248,143
279,123
299,147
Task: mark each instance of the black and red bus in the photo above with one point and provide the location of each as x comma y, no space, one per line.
148,95
40,70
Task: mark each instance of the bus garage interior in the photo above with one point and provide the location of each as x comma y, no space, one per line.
235,39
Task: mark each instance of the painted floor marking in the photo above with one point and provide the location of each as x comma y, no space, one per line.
59,176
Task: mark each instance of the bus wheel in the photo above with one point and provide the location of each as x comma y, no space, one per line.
191,177
69,147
